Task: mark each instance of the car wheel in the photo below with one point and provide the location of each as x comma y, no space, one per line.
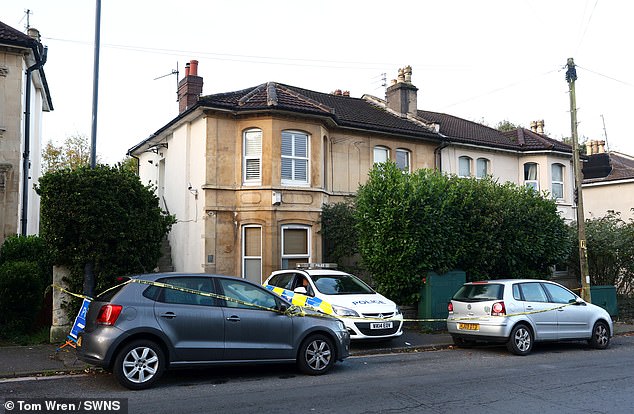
461,342
139,364
521,340
600,336
316,355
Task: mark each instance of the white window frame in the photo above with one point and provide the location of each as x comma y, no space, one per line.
531,182
554,182
479,163
408,157
246,258
380,149
295,160
286,257
461,160
248,158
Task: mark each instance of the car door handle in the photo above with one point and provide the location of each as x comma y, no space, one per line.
233,318
168,315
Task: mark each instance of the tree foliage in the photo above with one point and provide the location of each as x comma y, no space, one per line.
506,126
25,273
610,244
103,216
410,224
340,235
72,154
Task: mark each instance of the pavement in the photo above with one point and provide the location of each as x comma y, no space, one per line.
48,359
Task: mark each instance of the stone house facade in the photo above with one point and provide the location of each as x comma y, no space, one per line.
24,96
247,172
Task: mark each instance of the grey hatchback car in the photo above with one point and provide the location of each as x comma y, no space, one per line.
519,312
160,321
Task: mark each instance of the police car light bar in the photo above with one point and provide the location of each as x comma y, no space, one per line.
316,266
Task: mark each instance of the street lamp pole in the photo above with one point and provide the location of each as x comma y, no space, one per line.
571,77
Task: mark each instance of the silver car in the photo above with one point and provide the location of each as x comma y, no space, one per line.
161,321
522,312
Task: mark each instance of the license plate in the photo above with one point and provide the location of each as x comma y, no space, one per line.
469,326
381,325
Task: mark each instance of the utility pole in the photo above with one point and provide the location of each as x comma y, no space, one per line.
571,77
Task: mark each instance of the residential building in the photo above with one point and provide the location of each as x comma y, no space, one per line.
608,182
24,96
247,172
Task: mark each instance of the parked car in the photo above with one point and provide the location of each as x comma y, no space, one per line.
143,328
522,312
366,313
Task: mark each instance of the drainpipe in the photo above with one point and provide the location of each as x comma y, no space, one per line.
26,163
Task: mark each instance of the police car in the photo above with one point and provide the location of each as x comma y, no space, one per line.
366,313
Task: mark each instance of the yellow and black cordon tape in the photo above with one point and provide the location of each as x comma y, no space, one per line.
299,301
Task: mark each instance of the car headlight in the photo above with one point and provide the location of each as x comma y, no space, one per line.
341,311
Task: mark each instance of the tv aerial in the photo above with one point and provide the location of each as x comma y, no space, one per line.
173,72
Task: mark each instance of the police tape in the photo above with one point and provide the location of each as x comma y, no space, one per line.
300,302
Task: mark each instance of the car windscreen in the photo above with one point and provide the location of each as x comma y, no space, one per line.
479,292
340,285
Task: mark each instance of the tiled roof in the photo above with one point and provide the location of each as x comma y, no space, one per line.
11,36
469,132
370,114
622,168
345,111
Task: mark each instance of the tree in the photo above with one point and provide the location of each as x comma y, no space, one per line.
73,153
610,243
104,217
411,224
130,164
506,126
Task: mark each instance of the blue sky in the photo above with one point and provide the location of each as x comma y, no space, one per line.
485,61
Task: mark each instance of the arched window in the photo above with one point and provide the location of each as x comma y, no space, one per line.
252,253
482,167
557,180
464,167
530,176
252,157
381,154
403,157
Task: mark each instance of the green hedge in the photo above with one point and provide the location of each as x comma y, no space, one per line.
21,296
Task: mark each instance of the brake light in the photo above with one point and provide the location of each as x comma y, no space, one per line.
108,314
498,309
450,307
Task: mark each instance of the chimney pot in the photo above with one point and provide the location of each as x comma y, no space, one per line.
33,33
187,69
193,68
540,126
337,92
601,147
346,93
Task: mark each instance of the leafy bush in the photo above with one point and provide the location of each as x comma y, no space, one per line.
28,249
610,243
103,218
411,224
21,292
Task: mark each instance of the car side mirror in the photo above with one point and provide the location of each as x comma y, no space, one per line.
301,290
579,301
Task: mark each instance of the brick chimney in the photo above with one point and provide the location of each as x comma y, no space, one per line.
401,95
190,87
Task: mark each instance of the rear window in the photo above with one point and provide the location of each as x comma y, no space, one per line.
479,292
